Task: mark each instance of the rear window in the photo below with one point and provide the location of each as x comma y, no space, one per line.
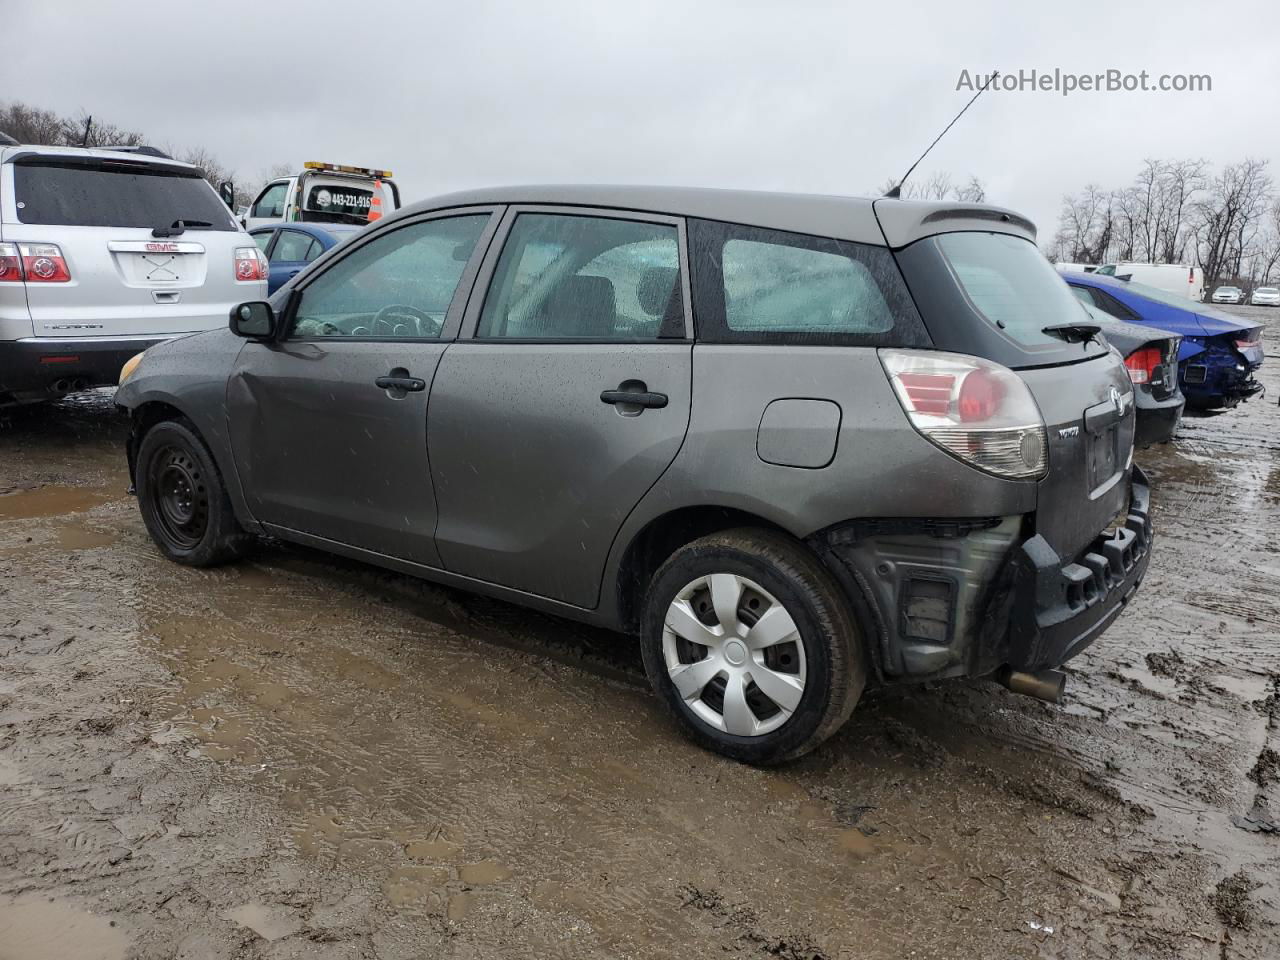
1011,285
755,285
115,195
338,200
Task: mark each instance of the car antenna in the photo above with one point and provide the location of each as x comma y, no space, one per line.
896,191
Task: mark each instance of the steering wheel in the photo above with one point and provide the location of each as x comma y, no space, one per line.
385,324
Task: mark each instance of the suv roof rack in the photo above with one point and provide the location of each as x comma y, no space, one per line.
143,149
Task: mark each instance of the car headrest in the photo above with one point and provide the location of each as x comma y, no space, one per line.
581,307
654,289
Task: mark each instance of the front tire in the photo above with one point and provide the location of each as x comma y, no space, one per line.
750,643
183,501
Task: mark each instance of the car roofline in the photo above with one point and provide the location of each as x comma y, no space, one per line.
840,217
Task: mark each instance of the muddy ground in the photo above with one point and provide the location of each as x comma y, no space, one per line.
302,757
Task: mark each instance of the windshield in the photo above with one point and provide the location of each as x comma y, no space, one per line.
1011,285
111,194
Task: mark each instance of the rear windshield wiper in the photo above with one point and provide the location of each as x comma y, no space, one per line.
1073,332
178,226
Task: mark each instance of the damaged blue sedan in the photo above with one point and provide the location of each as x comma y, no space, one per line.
1219,354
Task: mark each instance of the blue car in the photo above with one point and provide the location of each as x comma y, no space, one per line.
1219,353
290,247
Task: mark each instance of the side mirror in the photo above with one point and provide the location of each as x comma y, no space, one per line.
254,320
228,193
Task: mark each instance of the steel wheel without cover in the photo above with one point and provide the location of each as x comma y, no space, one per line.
734,655
179,496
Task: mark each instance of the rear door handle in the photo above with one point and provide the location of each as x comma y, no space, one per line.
408,384
640,399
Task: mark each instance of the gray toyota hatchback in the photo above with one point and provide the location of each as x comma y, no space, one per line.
795,444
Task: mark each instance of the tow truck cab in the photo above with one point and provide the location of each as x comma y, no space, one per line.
325,193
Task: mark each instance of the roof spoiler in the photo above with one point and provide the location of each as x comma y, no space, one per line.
140,148
905,221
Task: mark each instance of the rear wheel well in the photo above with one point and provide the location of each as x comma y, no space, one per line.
662,537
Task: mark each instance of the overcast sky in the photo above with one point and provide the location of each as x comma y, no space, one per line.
804,96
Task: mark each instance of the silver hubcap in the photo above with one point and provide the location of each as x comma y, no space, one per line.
734,655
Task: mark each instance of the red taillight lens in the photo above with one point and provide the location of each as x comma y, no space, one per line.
250,264
1250,341
980,396
928,392
10,263
43,263
1142,364
975,410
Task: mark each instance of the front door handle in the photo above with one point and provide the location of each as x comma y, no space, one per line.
636,398
407,384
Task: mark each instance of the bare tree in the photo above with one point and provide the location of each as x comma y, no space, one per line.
940,186
33,125
1085,226
1227,217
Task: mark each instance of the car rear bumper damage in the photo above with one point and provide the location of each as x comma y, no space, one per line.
984,596
40,368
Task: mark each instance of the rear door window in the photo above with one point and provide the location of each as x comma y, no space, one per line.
568,277
291,247
115,194
755,285
339,199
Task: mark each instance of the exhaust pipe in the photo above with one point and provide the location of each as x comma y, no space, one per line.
62,386
1043,684
78,384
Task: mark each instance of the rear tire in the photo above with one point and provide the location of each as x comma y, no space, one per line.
183,500
780,665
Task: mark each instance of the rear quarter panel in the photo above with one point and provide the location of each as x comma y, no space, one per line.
881,467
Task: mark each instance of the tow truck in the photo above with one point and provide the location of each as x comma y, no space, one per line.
325,193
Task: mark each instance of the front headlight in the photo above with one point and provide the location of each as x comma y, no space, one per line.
129,367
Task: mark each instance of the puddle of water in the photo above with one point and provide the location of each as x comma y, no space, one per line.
9,775
488,871
270,923
855,842
51,500
34,928
414,886
429,849
459,906
73,537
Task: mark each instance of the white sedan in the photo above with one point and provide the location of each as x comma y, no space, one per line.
1227,295
1266,297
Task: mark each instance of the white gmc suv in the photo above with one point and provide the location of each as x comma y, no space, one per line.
104,253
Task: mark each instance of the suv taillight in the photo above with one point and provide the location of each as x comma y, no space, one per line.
1142,364
975,410
43,263
10,263
250,264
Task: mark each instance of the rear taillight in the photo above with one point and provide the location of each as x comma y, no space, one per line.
250,264
10,263
43,263
975,410
1142,364
1250,340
